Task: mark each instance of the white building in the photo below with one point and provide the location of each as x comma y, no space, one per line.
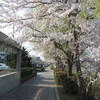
37,60
10,80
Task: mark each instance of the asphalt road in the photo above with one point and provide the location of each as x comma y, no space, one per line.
40,87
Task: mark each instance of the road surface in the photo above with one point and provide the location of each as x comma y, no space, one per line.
40,87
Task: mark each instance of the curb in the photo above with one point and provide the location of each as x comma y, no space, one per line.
56,92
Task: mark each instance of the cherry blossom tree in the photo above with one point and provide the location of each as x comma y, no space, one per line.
41,21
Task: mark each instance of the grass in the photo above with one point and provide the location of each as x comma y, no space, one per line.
64,95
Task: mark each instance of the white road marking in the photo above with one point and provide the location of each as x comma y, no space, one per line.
38,94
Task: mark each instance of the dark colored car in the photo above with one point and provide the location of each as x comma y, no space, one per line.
40,67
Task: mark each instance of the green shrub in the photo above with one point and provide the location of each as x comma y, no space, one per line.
96,90
70,84
51,67
26,72
59,76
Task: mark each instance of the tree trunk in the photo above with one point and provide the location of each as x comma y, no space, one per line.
77,1
89,95
81,93
70,63
69,70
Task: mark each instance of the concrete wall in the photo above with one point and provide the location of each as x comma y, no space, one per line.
9,82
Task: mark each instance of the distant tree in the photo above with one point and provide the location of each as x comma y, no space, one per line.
11,60
26,60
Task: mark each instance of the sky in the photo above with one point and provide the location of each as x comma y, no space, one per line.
9,29
27,45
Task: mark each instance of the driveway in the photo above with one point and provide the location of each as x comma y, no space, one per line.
40,87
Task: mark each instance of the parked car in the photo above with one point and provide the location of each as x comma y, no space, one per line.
3,67
40,67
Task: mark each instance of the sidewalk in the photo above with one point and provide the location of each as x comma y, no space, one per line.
40,87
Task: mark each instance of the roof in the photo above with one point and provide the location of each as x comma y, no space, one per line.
3,36
8,41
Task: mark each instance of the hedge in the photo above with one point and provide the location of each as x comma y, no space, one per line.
70,85
96,90
26,72
59,76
